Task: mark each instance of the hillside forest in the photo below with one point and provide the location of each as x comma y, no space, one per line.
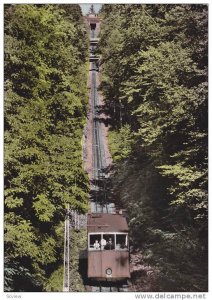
153,69
46,66
154,82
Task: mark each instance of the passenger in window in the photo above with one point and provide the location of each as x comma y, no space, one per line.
123,246
96,245
109,245
103,243
118,246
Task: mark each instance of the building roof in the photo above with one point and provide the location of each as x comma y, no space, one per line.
107,223
92,19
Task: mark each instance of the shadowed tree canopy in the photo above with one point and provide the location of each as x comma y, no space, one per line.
154,80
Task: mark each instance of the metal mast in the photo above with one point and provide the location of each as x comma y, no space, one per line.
66,276
75,221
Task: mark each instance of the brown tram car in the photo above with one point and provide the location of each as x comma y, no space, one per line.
108,247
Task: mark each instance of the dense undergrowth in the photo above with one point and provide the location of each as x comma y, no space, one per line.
154,81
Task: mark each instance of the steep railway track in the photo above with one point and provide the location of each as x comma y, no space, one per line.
99,202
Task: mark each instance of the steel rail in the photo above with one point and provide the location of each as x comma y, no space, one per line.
99,162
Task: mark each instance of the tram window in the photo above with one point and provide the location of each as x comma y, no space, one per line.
110,241
94,241
121,241
93,26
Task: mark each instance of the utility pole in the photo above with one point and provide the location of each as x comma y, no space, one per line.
76,221
66,275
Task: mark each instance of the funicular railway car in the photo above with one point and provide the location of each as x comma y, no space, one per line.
108,247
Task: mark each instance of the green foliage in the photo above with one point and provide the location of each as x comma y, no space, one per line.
46,48
78,241
19,237
154,80
55,281
18,277
187,178
47,250
121,143
167,253
44,209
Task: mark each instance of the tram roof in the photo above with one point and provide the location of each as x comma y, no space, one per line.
105,222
